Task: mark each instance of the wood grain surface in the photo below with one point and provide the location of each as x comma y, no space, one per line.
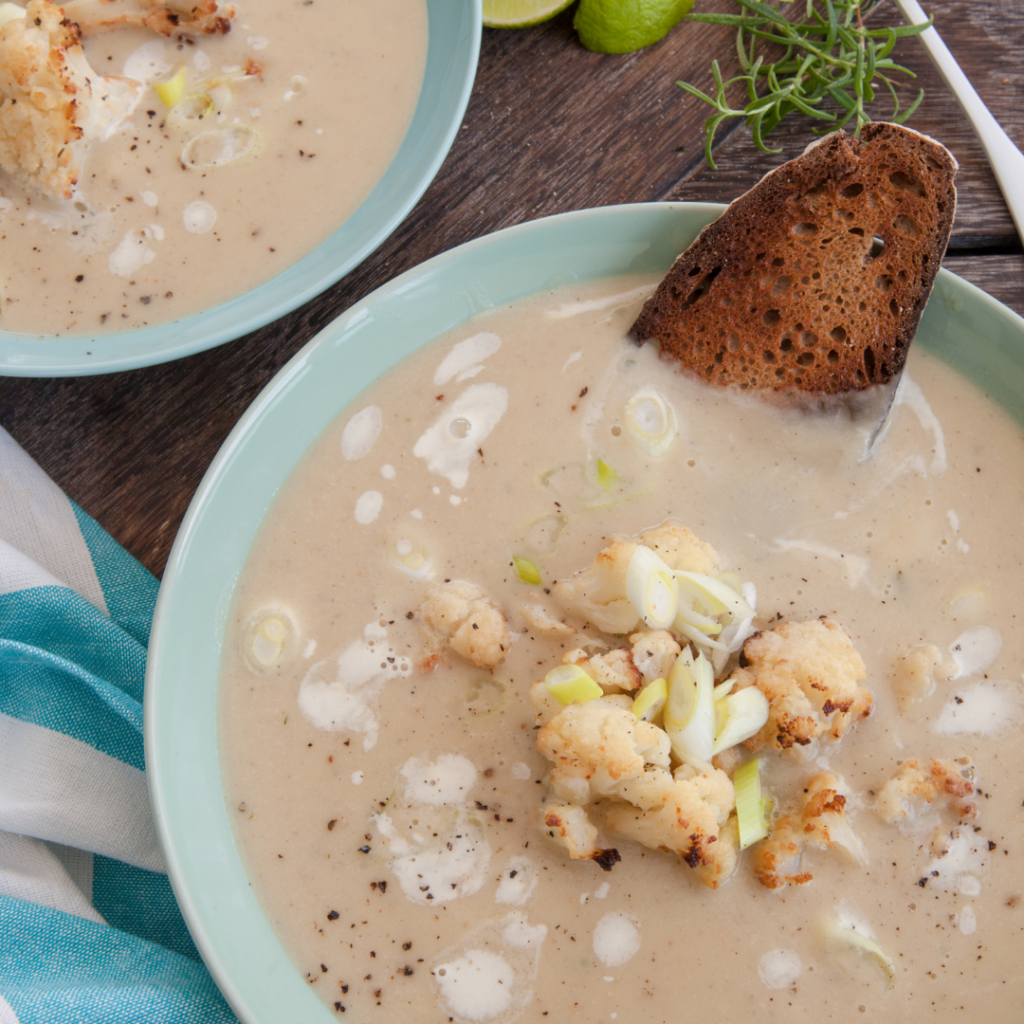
550,128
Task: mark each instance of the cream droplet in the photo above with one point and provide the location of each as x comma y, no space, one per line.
199,217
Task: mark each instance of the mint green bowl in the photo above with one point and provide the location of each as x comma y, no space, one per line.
454,28
975,334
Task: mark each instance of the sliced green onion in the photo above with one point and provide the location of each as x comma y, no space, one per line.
651,700
569,684
690,711
651,588
171,91
650,421
743,714
606,476
750,805
528,572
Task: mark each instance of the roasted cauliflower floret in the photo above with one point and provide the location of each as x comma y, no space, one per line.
541,621
811,674
167,17
907,799
614,670
686,820
461,615
597,745
917,673
598,593
570,827
777,858
654,653
53,105
820,822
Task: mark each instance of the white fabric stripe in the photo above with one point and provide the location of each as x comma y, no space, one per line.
57,788
78,864
29,871
7,1015
37,520
18,572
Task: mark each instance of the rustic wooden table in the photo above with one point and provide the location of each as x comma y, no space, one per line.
550,127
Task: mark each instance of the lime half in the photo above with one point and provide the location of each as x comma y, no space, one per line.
622,26
520,13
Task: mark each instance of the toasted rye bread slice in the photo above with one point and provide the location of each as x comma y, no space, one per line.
790,290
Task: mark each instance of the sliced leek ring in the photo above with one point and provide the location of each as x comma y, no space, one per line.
744,713
689,716
170,91
650,421
606,476
751,807
220,146
569,684
527,571
651,588
651,700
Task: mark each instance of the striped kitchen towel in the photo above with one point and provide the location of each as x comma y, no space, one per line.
89,928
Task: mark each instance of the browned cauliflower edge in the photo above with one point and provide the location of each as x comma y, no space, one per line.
462,616
811,674
53,105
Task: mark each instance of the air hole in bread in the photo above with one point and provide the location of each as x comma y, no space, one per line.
808,339
778,262
877,248
771,318
894,308
733,342
833,356
908,183
869,362
768,356
782,285
786,345
805,359
883,282
907,226
694,272
838,335
852,191
805,229
701,289
859,232
901,276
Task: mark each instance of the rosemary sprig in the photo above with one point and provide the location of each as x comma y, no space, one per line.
826,55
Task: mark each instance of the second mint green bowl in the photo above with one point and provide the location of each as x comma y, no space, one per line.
453,46
978,336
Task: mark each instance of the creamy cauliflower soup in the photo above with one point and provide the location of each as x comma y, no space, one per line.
242,152
433,842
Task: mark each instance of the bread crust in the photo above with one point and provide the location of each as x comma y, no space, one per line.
788,291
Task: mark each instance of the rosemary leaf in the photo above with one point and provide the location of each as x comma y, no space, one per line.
827,55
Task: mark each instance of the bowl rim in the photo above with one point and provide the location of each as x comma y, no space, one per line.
454,33
303,372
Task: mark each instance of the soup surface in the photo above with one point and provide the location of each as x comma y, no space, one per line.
388,812
156,229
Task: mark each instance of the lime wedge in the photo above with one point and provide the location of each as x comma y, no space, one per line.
622,26
520,13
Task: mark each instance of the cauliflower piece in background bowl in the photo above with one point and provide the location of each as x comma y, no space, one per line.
53,105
